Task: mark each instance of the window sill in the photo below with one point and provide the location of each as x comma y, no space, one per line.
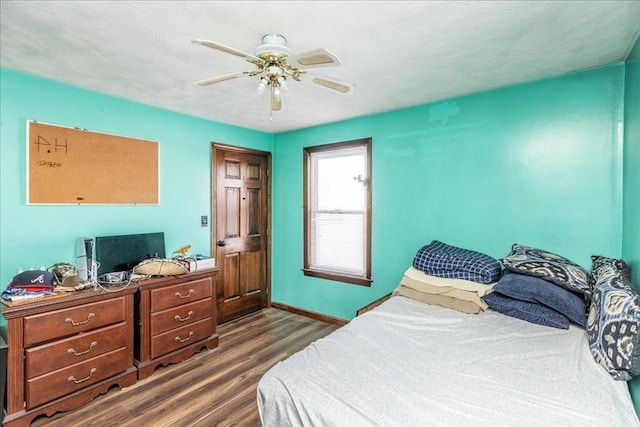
355,280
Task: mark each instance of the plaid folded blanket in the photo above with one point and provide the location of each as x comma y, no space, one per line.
442,260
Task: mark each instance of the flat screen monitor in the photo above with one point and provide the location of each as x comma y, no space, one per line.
122,253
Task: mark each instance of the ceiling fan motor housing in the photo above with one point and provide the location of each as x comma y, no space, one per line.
273,46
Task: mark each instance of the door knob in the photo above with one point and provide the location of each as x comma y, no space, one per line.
220,243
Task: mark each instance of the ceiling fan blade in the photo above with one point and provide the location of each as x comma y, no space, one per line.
331,83
224,48
224,78
313,59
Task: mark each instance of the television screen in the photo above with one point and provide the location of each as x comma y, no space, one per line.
122,253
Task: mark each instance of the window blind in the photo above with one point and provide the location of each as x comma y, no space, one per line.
338,211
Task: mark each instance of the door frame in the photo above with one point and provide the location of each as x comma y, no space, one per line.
214,204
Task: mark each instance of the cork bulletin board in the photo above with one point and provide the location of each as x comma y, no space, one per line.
67,165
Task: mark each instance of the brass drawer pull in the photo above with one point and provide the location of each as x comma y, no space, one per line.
70,320
184,319
75,353
93,371
186,339
179,295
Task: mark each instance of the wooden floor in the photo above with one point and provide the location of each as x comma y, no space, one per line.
212,388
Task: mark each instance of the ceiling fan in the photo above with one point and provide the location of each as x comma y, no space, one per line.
275,64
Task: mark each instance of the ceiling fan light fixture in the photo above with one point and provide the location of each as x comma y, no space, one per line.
276,93
262,86
282,82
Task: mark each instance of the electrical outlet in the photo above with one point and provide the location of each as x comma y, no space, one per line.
204,221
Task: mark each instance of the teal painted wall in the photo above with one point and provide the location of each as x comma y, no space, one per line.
538,164
631,216
631,224
34,235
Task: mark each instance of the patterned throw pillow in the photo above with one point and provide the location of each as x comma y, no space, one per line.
611,270
613,325
549,266
442,260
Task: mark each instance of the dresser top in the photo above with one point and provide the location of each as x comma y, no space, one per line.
58,300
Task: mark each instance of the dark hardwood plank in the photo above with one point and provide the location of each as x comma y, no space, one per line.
212,388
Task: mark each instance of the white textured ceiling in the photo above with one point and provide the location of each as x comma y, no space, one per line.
398,54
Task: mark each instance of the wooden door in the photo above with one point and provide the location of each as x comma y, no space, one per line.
241,244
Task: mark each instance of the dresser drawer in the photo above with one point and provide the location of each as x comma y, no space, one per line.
181,337
176,317
59,354
49,326
48,387
183,293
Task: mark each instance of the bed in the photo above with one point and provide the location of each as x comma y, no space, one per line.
407,363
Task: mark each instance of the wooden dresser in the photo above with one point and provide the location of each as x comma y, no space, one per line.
65,350
176,318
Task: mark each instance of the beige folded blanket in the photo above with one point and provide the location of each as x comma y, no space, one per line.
457,304
456,294
418,276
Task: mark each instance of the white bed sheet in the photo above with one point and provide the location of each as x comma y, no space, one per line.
407,363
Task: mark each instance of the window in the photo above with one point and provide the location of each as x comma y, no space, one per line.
337,209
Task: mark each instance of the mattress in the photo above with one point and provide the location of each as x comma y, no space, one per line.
406,363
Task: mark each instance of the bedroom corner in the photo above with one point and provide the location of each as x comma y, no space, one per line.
631,182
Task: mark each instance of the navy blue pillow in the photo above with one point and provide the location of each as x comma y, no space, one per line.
537,290
529,311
